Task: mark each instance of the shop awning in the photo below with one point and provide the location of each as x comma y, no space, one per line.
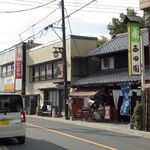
86,92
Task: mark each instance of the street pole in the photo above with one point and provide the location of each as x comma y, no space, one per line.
142,81
64,60
23,68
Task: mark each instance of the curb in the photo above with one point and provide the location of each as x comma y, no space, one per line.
118,128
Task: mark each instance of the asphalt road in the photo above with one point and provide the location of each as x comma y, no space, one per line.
47,134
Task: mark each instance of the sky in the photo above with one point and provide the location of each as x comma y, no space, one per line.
23,20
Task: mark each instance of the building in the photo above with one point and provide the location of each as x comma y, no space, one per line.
11,67
105,84
44,73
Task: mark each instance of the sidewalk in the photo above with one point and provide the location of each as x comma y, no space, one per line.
114,127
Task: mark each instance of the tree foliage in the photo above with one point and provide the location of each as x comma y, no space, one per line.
117,25
101,41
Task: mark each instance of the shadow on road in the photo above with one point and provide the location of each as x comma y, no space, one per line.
30,144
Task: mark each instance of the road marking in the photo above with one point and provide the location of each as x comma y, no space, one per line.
74,137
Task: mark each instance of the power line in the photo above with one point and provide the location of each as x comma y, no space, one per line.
17,11
98,5
71,4
72,34
39,21
57,22
81,8
103,7
51,25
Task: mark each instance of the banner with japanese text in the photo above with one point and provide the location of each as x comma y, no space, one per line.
134,52
18,62
126,105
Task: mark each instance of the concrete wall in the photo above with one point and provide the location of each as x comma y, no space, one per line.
81,46
7,56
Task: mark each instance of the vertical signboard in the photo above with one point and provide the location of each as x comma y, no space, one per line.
18,62
134,53
18,67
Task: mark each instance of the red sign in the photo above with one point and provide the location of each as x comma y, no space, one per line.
18,69
107,112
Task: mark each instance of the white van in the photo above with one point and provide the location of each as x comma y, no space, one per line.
12,117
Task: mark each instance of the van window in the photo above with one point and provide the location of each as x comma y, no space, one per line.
11,103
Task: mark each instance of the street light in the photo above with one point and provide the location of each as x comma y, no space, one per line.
56,52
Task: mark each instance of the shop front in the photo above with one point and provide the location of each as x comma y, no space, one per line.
88,104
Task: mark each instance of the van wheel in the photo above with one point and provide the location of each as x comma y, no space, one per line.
21,139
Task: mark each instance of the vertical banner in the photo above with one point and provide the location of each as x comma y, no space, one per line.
134,53
18,67
126,105
18,62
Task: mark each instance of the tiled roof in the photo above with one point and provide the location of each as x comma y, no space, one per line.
111,76
118,43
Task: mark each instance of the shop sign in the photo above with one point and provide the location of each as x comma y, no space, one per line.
107,112
134,52
18,72
9,84
18,62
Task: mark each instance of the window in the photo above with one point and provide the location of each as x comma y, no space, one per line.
10,69
53,98
107,63
42,72
49,71
46,71
7,70
36,73
4,71
11,103
58,69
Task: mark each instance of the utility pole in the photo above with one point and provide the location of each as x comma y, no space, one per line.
23,68
145,6
64,61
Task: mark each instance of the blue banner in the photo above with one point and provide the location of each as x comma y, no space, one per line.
126,105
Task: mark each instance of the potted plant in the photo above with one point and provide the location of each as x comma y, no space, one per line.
138,110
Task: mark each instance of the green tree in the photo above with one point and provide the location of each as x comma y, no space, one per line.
101,41
117,25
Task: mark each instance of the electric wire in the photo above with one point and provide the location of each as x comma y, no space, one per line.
90,9
58,20
50,26
72,34
17,11
40,20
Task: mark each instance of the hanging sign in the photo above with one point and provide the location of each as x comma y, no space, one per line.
18,62
134,53
126,105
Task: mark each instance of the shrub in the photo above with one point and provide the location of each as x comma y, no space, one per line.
138,115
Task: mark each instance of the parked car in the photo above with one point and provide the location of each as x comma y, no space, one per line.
12,117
